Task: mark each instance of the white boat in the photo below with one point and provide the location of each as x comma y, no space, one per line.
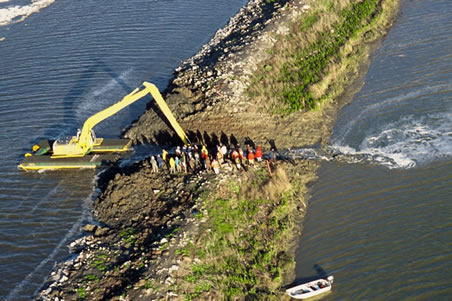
311,289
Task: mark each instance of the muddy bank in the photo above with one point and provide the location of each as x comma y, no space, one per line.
208,92
145,220
139,250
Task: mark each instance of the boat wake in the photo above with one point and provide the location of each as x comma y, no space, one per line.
102,96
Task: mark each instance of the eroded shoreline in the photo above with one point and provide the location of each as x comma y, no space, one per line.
138,251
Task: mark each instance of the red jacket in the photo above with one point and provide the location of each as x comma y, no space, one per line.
259,153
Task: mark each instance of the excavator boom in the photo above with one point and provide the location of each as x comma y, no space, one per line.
79,146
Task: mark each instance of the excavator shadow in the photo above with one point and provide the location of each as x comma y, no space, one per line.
81,87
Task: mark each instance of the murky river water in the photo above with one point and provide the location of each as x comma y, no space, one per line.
58,67
383,227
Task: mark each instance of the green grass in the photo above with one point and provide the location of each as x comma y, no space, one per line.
243,253
308,67
100,262
91,277
128,236
286,81
81,291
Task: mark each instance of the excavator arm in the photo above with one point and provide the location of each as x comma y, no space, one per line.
165,109
79,146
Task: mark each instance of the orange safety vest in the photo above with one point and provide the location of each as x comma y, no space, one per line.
250,156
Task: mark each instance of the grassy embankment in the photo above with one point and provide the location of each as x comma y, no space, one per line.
242,253
242,248
321,55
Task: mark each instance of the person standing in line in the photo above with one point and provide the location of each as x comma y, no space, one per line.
205,158
172,164
165,157
259,154
274,155
236,158
178,164
241,155
191,162
207,164
219,155
154,165
251,157
224,150
160,162
184,159
216,166
198,164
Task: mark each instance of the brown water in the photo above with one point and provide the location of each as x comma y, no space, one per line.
380,217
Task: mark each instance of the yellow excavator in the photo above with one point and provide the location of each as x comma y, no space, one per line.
85,150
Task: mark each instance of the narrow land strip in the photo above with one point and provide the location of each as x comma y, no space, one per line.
275,73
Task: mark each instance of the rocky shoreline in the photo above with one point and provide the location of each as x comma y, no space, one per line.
208,92
146,219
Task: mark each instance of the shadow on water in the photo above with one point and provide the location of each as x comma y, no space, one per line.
321,273
56,130
84,83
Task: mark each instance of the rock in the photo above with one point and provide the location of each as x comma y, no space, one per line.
100,231
141,283
186,260
89,228
169,280
173,268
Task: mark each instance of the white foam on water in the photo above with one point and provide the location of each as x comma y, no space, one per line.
406,142
389,102
16,13
100,98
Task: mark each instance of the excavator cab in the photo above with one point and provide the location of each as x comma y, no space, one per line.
70,146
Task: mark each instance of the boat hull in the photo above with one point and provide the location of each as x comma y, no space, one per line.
102,154
310,289
47,162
